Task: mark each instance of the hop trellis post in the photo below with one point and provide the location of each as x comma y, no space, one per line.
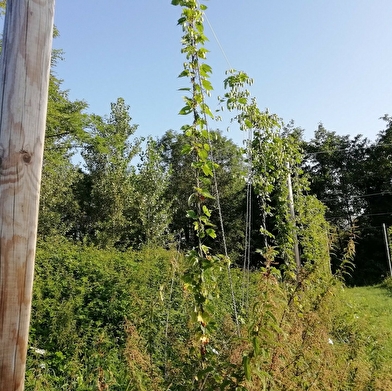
24,72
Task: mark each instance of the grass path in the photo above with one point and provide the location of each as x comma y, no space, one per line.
373,307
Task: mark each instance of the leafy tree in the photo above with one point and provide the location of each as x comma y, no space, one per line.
375,181
107,190
152,181
59,212
351,176
336,164
230,181
182,177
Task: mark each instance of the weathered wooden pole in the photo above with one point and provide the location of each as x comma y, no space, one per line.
387,250
293,220
24,72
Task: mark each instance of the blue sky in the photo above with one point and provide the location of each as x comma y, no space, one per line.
312,61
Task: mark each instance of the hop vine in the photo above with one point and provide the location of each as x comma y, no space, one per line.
200,277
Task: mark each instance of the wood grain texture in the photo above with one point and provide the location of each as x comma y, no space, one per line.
24,72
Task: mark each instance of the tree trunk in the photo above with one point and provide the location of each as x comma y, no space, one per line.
24,72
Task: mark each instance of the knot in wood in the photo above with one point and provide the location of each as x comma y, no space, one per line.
26,156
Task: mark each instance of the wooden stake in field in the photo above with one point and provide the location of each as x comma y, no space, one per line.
293,220
24,72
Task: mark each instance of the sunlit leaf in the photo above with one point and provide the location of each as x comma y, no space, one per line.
211,233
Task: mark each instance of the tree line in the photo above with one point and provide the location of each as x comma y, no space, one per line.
104,185
351,175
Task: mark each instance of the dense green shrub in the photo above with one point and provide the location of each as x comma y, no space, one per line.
84,301
110,320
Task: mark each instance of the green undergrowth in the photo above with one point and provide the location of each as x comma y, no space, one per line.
110,320
86,303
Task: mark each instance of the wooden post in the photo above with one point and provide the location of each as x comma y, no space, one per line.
387,251
24,72
293,219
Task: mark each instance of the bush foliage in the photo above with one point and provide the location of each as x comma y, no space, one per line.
110,320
